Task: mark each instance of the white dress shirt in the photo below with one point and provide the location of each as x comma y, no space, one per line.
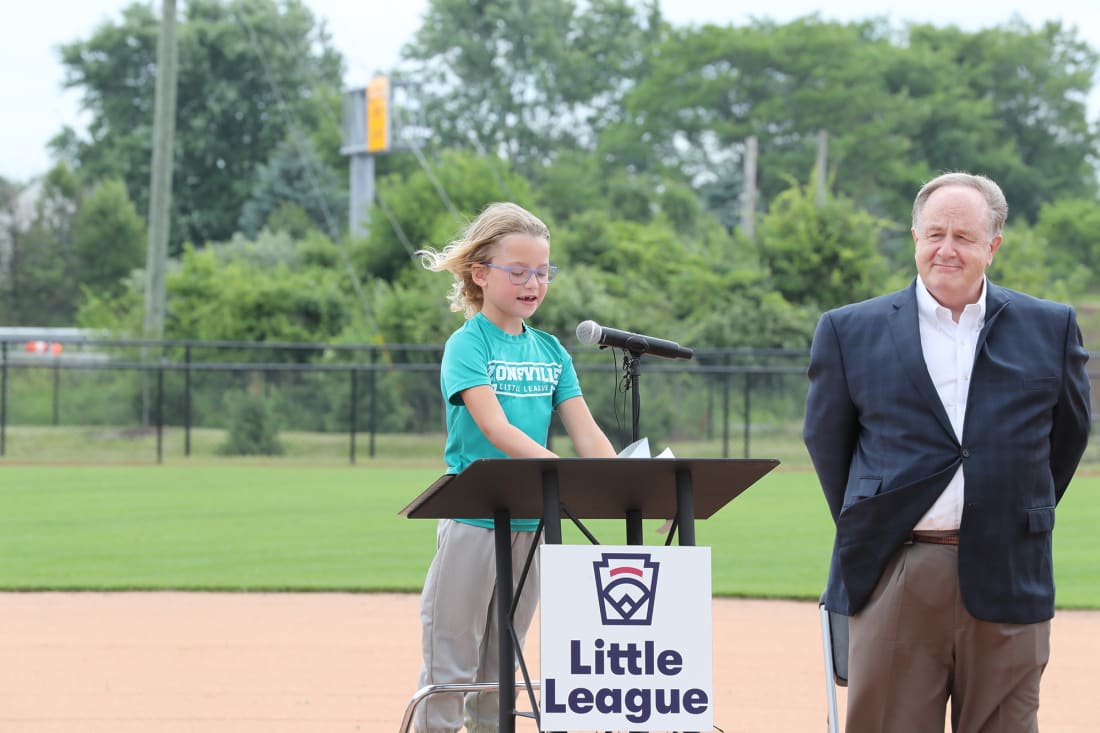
949,355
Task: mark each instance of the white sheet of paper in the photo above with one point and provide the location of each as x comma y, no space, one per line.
638,449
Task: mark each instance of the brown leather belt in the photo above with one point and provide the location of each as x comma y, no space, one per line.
935,538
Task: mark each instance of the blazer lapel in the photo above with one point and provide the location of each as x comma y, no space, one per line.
905,332
996,299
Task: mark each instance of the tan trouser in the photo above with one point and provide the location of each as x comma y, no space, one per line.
459,618
915,645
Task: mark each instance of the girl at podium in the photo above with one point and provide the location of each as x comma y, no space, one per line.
501,380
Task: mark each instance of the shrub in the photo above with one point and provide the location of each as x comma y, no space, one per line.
253,427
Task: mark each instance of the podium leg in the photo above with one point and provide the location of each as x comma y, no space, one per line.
551,507
634,527
502,532
685,507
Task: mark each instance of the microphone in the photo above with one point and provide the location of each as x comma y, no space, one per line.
590,332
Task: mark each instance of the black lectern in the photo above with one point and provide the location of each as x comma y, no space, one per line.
584,488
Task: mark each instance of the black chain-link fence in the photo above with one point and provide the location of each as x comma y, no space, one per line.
70,398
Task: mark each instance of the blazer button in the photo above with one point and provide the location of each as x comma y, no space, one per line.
966,452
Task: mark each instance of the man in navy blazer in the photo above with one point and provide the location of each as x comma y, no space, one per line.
945,422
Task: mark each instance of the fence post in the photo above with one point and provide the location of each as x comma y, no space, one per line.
56,391
187,400
726,409
160,412
373,395
748,411
354,404
3,396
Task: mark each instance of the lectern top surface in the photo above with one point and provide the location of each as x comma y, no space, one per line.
590,488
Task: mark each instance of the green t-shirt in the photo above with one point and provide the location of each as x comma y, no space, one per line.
531,374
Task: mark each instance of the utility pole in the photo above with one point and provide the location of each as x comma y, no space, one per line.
160,189
748,202
821,166
367,132
160,179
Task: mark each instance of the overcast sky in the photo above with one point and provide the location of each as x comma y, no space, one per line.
370,34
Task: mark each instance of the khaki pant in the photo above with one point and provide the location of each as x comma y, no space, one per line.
914,646
459,618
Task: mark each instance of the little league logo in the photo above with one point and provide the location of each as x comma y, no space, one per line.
625,586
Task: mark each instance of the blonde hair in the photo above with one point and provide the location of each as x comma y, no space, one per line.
477,245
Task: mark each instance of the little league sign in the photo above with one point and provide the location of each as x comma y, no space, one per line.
625,638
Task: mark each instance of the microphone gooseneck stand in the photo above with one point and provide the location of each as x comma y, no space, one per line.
632,367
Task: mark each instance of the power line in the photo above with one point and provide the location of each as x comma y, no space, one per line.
293,126
311,174
435,182
406,140
395,225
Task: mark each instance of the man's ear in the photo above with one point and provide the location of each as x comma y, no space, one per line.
994,246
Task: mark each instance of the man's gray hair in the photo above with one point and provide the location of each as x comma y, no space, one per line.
998,206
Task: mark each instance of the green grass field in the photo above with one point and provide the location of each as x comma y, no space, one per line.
257,526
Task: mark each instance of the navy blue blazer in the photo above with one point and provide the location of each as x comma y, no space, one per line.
883,447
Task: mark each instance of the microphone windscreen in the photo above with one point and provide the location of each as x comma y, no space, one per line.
589,332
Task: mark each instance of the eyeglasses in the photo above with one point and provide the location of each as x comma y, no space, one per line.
521,275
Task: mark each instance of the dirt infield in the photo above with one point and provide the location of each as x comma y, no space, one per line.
307,663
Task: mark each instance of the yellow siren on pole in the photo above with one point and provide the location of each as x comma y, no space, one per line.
378,115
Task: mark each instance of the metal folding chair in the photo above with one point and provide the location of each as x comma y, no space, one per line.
834,636
425,692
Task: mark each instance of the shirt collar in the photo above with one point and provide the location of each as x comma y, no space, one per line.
929,307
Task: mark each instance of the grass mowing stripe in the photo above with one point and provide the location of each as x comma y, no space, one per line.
1077,545
336,528
215,528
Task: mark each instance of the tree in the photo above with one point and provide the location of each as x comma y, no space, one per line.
429,207
614,257
1009,102
570,186
899,106
824,256
39,289
295,183
110,238
711,88
1068,228
39,280
251,72
13,225
255,291
679,271
272,288
65,241
526,80
1024,262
